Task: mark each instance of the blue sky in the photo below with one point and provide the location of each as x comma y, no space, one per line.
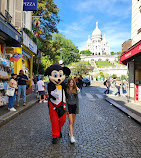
79,19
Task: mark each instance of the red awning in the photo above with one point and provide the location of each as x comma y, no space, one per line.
130,53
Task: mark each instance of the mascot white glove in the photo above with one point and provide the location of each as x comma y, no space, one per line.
54,94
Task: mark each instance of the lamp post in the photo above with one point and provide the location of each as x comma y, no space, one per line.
61,61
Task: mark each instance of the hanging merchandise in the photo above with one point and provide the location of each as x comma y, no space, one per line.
5,74
1,86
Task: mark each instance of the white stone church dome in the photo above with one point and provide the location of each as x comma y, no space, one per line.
89,40
97,32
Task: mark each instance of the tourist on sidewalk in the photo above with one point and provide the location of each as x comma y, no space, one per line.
22,79
107,84
117,85
41,90
33,82
72,106
13,84
124,86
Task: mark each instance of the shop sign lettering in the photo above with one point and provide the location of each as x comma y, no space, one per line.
127,55
29,43
30,5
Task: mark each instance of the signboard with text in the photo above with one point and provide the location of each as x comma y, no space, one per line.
130,53
29,43
30,5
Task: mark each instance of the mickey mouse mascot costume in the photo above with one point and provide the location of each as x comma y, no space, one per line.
57,98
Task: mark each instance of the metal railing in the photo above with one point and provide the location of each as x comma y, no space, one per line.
8,16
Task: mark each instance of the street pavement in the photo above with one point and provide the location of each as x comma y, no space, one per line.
101,131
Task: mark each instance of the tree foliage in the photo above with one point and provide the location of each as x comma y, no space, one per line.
86,52
81,68
70,52
114,76
48,11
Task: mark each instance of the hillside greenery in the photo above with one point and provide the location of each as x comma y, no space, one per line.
104,64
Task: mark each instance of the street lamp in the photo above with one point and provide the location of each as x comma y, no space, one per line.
61,61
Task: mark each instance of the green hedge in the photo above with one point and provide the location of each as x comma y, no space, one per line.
104,64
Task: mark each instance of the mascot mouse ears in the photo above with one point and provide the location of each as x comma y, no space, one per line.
57,67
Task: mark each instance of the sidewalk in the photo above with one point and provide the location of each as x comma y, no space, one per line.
6,115
131,109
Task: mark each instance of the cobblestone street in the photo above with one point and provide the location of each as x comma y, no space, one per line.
101,131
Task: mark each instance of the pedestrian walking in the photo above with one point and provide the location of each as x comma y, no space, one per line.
76,80
22,83
124,86
80,83
117,85
13,84
57,98
72,105
33,84
39,77
107,84
41,90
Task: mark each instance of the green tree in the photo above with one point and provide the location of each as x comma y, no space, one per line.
46,62
86,52
48,11
114,76
70,52
81,68
123,77
112,53
106,75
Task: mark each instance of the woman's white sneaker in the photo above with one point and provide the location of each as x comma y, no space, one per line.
13,109
72,139
45,101
40,101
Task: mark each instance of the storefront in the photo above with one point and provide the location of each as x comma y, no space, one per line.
9,37
132,58
28,50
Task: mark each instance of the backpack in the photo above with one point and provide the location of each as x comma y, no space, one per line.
105,83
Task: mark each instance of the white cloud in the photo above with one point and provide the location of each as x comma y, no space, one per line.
112,23
119,8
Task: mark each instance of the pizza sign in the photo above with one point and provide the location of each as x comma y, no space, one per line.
30,5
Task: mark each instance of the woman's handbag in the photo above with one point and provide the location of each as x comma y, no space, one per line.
10,91
60,110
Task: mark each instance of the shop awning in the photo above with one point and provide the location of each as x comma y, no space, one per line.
8,33
134,50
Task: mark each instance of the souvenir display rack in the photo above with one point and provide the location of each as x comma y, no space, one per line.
5,74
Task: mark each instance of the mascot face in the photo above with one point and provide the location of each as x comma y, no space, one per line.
57,73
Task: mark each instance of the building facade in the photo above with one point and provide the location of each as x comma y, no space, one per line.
13,40
132,57
97,44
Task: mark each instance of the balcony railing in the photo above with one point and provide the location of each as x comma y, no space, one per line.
8,16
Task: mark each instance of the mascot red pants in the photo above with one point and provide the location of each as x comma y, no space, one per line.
56,122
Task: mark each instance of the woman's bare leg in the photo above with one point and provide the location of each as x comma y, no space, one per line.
73,117
71,124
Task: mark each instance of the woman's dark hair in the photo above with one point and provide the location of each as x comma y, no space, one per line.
13,75
74,88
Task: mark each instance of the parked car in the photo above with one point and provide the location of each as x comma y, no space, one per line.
86,82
